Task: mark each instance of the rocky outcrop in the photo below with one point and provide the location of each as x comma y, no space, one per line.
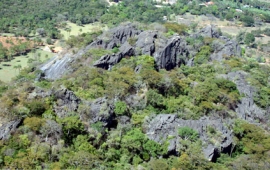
225,48
107,61
61,64
146,43
66,101
209,31
173,54
99,110
131,41
8,128
164,127
246,108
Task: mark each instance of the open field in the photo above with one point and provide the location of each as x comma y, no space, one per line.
9,72
76,29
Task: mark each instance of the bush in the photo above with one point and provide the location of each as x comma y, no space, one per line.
120,108
34,123
178,28
247,20
187,133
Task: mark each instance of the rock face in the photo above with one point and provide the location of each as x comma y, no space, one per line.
225,49
7,128
60,64
167,125
247,109
173,54
131,41
146,42
66,102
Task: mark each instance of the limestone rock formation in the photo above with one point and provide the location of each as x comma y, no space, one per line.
8,128
247,109
166,125
66,102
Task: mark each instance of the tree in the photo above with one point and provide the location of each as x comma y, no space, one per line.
248,20
249,39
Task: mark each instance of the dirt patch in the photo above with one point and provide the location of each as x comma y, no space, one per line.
8,42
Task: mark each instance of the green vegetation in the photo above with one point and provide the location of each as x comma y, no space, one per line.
56,134
11,70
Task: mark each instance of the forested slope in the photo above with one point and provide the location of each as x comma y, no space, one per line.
141,95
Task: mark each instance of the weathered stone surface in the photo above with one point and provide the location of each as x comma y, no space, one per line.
60,64
66,102
167,125
227,48
173,54
121,34
209,31
108,60
168,53
247,109
8,128
146,42
101,111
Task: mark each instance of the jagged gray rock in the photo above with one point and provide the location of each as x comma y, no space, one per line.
168,53
246,108
146,42
66,102
100,110
209,31
227,48
173,54
8,128
166,125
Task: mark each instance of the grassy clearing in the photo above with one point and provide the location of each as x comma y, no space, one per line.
76,29
7,34
9,72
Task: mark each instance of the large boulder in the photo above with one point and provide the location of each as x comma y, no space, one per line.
209,31
146,42
165,127
99,111
66,101
107,61
173,54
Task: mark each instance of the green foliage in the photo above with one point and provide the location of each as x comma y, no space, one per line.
120,108
34,123
115,50
82,39
262,98
203,55
248,20
251,139
175,27
249,39
44,84
72,127
36,107
187,133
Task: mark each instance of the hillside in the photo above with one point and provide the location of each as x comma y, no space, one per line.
136,98
157,88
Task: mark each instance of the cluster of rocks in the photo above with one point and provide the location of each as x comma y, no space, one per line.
168,54
131,41
166,126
